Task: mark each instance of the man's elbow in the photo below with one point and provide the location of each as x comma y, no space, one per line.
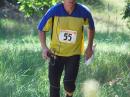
92,30
39,31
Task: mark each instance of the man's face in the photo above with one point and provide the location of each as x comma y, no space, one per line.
69,3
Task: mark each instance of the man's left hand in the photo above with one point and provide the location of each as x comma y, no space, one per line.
88,52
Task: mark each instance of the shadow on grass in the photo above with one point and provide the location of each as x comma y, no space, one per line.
11,29
24,73
18,31
106,67
114,37
21,61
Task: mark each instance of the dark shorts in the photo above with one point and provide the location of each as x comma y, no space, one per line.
70,65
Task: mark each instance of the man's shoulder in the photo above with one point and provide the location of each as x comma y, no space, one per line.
83,7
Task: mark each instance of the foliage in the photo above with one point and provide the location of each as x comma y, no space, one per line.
127,11
31,7
13,1
2,2
37,7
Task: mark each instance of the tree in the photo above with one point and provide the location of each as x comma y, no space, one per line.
127,11
37,7
13,1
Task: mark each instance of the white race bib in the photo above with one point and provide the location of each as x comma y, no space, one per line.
67,36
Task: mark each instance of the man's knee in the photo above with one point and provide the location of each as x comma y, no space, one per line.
69,86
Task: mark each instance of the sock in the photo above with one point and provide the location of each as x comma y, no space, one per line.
68,96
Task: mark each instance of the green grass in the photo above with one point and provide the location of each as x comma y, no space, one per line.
23,72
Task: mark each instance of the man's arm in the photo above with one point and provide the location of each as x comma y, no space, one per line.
91,34
42,38
89,51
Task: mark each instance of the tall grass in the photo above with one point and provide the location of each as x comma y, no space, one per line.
23,72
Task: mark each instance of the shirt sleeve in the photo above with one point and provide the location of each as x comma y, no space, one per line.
45,23
90,21
48,25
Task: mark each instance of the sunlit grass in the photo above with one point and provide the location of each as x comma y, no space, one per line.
23,72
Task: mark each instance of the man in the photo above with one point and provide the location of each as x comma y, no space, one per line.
66,21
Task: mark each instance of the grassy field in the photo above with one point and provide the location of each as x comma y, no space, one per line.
23,72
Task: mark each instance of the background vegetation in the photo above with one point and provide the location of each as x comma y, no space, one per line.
23,72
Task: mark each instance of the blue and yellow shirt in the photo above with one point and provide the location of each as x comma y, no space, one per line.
67,35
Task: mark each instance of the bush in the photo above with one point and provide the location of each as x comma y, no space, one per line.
13,1
127,11
37,7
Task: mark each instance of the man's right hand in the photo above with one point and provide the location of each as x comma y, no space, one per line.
45,52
